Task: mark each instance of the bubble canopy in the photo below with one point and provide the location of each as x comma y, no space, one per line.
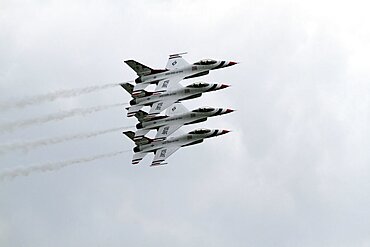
200,131
199,85
204,109
206,62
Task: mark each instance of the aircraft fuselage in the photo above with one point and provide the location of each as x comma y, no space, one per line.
181,119
188,139
189,71
175,95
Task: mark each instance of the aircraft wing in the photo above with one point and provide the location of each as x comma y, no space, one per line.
160,106
165,131
176,109
162,154
176,62
170,83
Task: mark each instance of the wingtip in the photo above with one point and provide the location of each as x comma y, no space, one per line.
177,54
158,164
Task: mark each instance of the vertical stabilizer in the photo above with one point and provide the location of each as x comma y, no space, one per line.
141,69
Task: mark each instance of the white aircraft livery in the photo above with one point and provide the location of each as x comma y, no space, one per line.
162,111
176,116
163,149
159,101
177,69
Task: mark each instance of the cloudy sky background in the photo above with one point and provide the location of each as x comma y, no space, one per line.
294,171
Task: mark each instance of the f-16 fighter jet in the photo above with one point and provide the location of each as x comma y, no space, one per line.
163,149
176,70
176,116
161,101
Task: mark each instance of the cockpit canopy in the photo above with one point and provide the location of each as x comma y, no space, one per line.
204,109
200,131
199,85
206,62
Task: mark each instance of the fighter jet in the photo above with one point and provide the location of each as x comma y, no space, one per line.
176,70
163,149
159,101
176,116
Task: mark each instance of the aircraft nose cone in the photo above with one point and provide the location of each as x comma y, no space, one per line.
224,86
229,110
230,63
224,132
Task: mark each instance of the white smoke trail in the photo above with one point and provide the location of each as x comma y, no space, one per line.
53,96
55,117
28,145
27,170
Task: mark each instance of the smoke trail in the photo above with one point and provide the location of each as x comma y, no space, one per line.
25,171
53,96
55,117
45,142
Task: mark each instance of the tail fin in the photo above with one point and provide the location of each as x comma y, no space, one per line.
176,61
141,115
135,93
142,69
129,134
139,68
142,141
128,87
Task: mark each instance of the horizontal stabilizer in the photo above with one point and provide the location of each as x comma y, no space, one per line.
138,157
158,164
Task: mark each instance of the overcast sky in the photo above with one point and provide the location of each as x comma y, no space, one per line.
294,171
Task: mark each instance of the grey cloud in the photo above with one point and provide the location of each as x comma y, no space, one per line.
293,171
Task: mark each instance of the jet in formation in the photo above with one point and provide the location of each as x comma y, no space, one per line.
177,69
163,149
160,101
175,117
169,95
